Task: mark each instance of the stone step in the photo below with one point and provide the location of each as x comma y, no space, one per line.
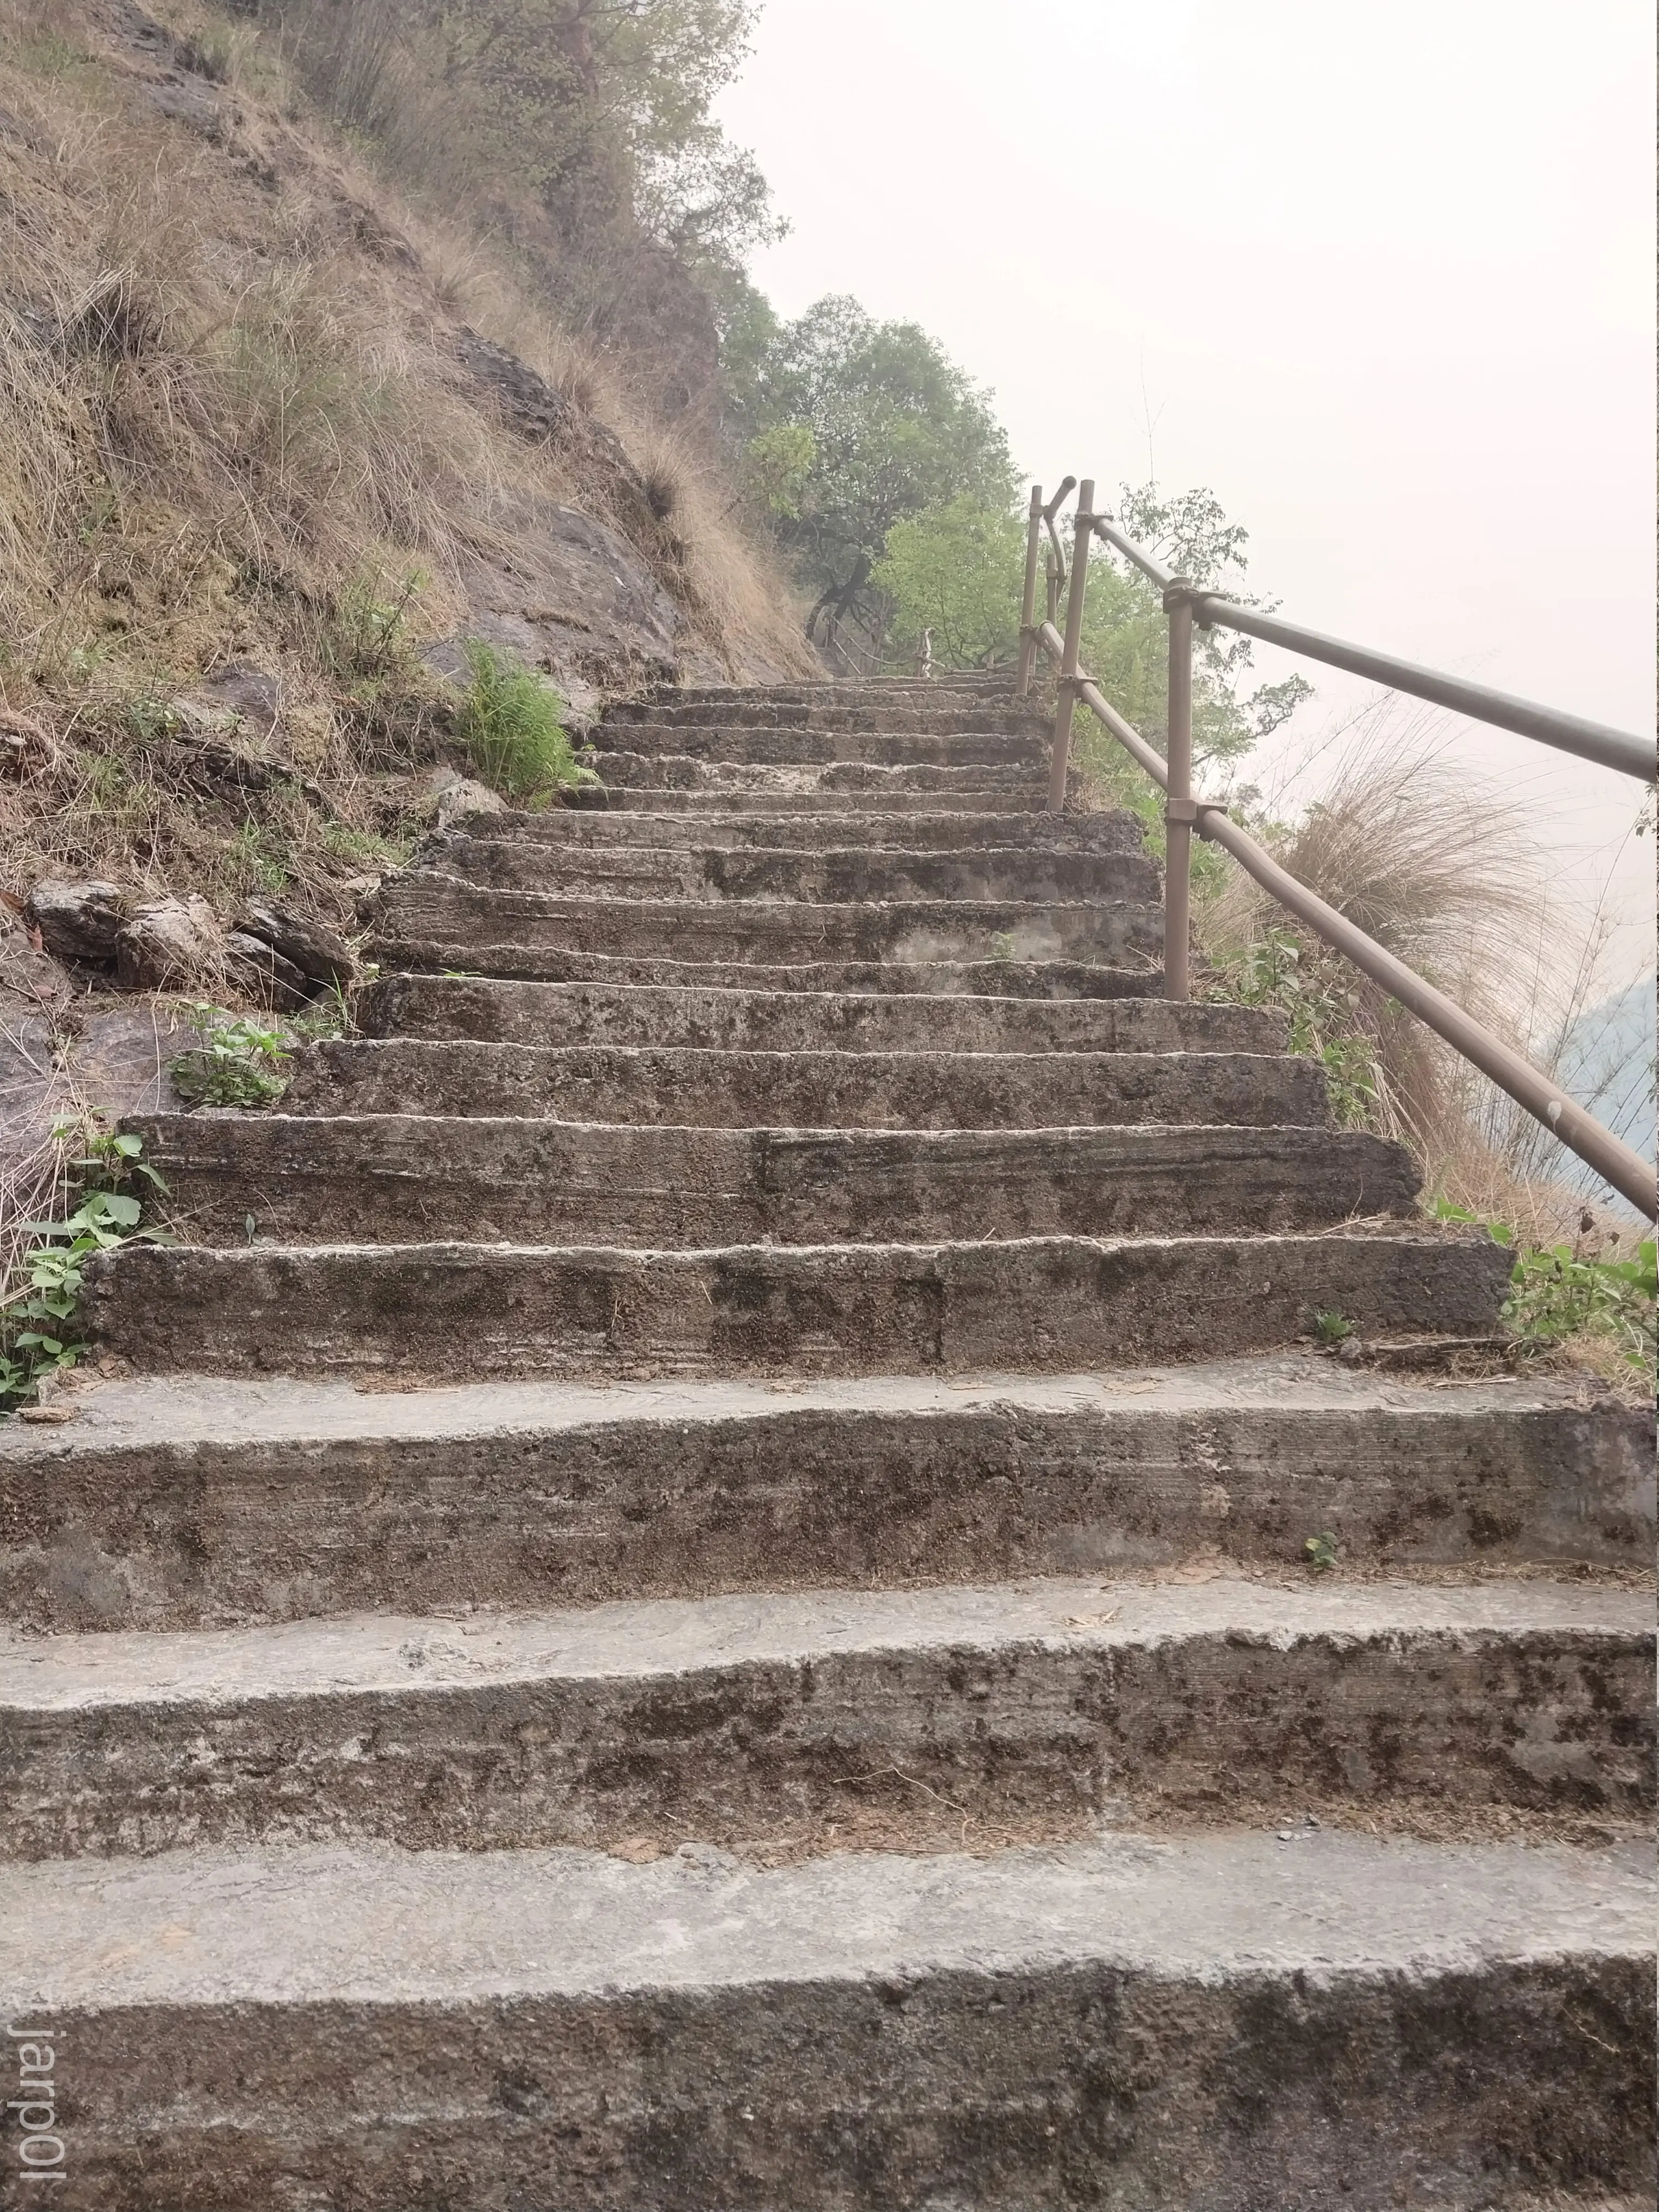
948,693
601,829
447,1311
639,722
398,1179
805,793
811,787
946,744
822,1721
805,1089
597,1013
842,876
424,907
198,1501
907,980
1213,2022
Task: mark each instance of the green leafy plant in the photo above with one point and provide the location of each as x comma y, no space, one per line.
40,1332
1561,1293
1277,972
1332,1329
238,1062
510,723
1321,1551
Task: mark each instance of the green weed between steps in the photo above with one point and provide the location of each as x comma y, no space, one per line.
241,1061
1563,1295
511,724
39,1330
238,1062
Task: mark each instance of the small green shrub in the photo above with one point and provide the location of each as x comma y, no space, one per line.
238,1062
1332,1329
510,723
1322,1552
1561,1293
39,1333
1277,972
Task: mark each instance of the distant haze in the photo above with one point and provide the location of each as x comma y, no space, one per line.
1383,278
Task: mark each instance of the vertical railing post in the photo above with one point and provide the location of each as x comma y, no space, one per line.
1028,641
1179,813
1083,530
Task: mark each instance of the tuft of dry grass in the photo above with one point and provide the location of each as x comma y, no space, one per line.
1447,870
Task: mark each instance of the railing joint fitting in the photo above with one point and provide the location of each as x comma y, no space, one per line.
1183,810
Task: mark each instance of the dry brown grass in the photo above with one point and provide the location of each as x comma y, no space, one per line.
229,410
1449,870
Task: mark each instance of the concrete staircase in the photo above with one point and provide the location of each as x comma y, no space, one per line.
690,1590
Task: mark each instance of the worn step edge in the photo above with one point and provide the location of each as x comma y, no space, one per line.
1216,2020
791,875
429,904
510,1010
917,1717
587,829
175,1502
839,1089
992,979
1043,1303
323,1179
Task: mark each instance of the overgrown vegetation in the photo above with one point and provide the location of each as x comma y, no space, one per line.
105,1182
510,726
237,1061
1580,1293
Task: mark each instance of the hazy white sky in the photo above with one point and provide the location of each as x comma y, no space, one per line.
1381,277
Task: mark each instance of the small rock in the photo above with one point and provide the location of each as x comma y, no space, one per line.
78,921
249,694
262,971
317,951
171,942
457,796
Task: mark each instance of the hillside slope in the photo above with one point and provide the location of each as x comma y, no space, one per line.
265,462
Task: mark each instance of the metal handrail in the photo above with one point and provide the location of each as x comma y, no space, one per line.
1618,1162
1570,734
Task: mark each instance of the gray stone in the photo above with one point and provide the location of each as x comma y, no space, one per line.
426,907
451,1311
678,1446
78,920
850,872
263,972
307,943
753,1019
922,1716
172,944
812,1090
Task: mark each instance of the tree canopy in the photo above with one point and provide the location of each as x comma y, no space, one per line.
895,427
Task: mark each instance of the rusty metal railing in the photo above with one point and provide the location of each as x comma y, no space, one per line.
1185,603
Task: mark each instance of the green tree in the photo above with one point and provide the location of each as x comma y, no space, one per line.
896,428
955,570
1125,638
